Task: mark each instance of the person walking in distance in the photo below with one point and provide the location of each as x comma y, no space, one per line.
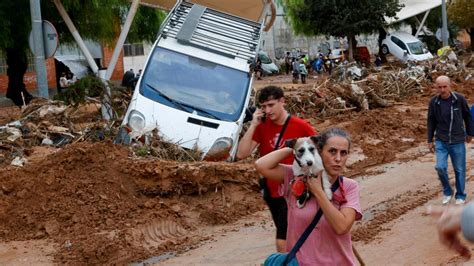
287,63
296,70
270,127
450,124
303,71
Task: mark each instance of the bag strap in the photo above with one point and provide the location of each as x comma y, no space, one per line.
277,144
310,228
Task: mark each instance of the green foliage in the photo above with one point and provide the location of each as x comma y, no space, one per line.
77,92
339,17
146,24
141,151
461,12
97,20
15,24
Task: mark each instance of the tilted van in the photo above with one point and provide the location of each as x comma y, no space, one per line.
196,83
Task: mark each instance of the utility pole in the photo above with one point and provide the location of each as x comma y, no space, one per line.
121,40
444,30
38,43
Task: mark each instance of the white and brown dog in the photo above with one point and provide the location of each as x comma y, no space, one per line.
308,162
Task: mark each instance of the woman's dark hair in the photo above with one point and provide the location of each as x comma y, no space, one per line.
332,132
270,93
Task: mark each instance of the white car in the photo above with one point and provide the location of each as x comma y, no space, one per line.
405,47
268,66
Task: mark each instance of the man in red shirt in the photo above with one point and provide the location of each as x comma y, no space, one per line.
264,132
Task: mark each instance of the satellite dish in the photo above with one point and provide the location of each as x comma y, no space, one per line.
50,39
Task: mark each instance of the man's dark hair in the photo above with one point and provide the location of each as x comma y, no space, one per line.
270,93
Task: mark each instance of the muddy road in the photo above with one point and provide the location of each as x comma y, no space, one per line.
98,203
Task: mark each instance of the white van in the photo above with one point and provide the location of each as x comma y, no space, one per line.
405,47
196,83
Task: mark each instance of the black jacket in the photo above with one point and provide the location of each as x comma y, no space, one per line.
461,122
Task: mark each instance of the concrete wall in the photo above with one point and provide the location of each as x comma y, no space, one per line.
280,39
137,62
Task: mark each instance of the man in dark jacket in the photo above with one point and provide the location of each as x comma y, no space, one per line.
449,122
128,77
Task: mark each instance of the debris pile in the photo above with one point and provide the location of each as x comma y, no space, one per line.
158,148
352,87
49,123
53,124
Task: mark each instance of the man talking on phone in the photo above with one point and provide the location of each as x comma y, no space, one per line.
271,126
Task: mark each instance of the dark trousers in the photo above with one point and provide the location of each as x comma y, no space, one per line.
303,78
287,68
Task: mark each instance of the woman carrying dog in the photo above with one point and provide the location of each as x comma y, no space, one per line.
330,242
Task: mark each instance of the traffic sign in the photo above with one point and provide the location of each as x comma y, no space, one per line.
50,39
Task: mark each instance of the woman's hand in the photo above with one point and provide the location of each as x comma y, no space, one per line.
315,184
269,165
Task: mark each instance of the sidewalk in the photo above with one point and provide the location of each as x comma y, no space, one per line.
5,102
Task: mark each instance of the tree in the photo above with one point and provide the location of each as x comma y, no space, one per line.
339,18
97,20
461,12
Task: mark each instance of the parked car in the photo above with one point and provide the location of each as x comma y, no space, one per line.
405,47
195,85
268,66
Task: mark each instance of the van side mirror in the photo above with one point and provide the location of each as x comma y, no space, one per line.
405,52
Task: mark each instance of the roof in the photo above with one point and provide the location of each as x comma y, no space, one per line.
413,8
407,37
249,9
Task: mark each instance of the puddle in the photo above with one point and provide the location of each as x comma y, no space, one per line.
372,211
155,259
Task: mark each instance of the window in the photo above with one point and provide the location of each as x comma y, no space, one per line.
4,66
134,49
195,85
416,47
399,43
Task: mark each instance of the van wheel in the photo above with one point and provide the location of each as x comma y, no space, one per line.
385,50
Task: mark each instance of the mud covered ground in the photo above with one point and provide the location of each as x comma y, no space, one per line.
97,203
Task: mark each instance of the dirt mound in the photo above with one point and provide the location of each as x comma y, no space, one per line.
92,199
385,132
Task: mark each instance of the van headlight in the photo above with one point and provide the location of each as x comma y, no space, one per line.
220,150
136,121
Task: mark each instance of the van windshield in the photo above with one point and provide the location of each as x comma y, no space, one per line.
195,85
264,58
415,47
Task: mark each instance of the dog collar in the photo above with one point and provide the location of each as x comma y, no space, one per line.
297,161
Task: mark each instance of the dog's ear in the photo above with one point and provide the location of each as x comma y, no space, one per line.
315,139
290,143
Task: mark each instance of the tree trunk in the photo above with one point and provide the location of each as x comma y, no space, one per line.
17,64
382,36
350,37
471,34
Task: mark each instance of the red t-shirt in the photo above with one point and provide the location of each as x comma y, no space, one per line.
266,134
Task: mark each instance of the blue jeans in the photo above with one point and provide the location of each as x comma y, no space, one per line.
457,152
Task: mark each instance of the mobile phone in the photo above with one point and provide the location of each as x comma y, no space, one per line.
263,118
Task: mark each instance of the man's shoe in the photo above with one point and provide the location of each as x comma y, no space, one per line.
446,199
460,201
